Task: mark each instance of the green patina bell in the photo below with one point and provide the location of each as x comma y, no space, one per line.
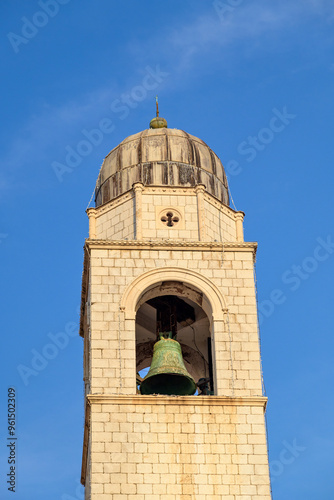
167,374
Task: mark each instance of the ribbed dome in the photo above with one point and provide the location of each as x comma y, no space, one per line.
160,157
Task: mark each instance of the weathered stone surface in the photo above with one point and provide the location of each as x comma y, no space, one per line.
161,157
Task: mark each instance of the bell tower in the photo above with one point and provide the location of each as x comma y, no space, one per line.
168,285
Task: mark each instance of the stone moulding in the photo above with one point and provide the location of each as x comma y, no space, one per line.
175,244
213,305
167,190
179,400
114,203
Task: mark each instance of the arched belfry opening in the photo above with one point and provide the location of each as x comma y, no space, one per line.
172,306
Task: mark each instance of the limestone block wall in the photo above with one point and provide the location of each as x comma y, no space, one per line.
184,201
163,448
118,222
234,332
137,215
218,225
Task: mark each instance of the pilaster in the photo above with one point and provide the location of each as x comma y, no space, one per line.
138,190
200,190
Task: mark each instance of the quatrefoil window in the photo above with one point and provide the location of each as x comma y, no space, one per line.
170,219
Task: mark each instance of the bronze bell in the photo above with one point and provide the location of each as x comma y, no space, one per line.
167,374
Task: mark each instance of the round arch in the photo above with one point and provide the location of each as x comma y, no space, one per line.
214,304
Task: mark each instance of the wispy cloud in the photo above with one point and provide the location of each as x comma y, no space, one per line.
258,24
179,48
47,128
80,123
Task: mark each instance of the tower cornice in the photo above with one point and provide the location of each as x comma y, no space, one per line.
179,400
172,244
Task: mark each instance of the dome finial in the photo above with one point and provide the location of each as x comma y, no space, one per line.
157,105
158,122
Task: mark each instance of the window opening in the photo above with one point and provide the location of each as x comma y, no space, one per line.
169,219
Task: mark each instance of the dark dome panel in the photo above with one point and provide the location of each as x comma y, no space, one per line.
160,157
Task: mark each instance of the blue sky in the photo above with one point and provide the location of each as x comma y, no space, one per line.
252,79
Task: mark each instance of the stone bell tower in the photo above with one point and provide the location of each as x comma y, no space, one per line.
166,252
